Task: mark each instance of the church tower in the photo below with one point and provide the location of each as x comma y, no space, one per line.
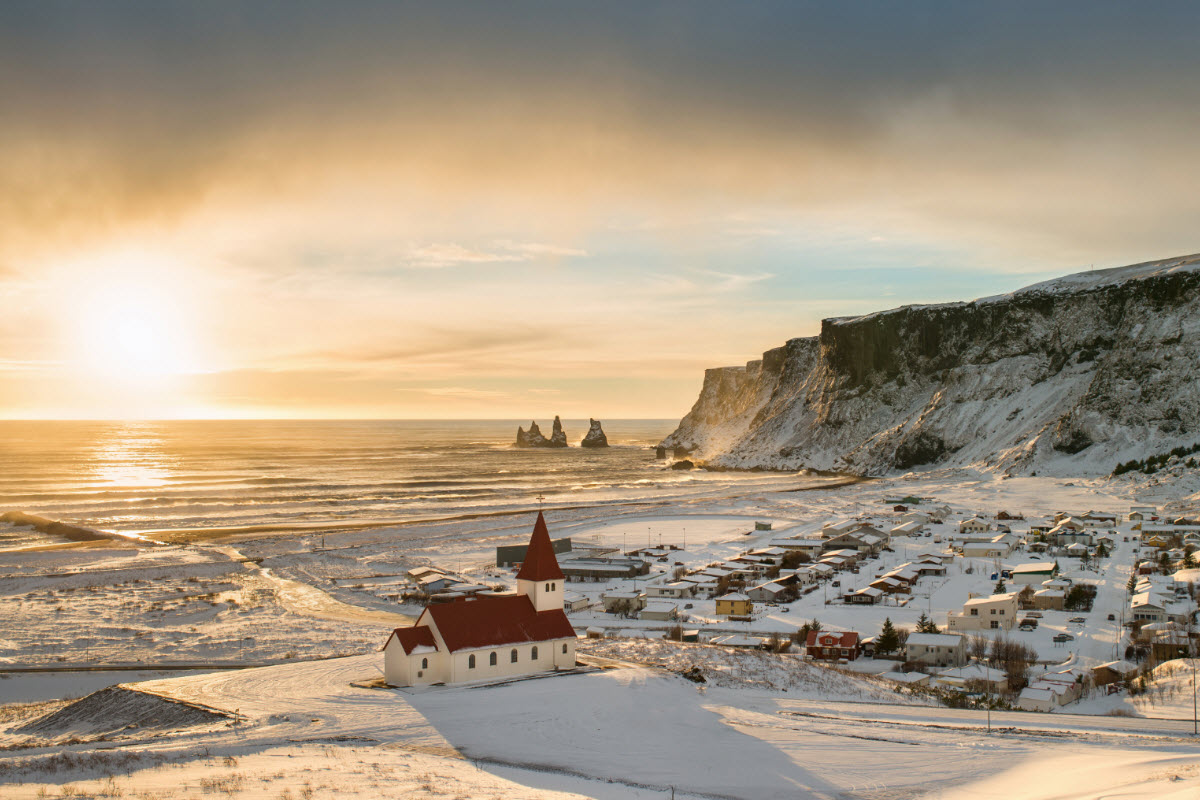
540,577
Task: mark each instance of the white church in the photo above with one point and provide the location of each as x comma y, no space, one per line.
498,636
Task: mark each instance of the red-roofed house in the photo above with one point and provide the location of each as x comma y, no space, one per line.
832,645
497,636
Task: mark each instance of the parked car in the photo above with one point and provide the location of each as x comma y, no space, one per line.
1063,637
836,583
1028,625
1112,617
1034,615
1079,620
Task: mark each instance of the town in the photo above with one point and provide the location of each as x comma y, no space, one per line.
977,608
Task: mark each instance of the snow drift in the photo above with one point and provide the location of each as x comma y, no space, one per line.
1066,377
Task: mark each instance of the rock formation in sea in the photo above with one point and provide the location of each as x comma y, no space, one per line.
595,436
557,437
531,438
534,438
1067,377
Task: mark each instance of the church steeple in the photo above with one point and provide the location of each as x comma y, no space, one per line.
540,576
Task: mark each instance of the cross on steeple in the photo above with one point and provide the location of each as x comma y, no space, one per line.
540,500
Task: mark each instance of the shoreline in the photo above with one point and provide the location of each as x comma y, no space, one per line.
159,536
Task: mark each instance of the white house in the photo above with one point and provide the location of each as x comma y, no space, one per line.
994,612
1032,573
495,636
936,649
974,525
998,546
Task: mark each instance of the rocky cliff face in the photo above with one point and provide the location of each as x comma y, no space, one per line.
1066,377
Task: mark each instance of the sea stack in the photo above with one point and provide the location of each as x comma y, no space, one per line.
531,438
534,438
557,437
595,436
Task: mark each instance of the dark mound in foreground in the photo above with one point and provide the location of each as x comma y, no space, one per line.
117,709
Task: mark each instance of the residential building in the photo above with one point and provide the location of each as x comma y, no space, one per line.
832,645
936,649
991,612
734,604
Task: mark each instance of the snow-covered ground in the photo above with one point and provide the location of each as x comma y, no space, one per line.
304,730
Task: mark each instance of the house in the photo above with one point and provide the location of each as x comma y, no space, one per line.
1077,550
1140,513
497,636
974,525
1113,672
660,611
891,586
867,596
574,602
908,529
810,547
738,640
832,645
936,649
862,540
998,546
1169,645
1143,607
627,603
1033,573
678,589
768,592
973,677
734,605
908,678
1048,600
992,612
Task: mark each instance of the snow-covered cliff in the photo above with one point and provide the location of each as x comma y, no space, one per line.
1067,377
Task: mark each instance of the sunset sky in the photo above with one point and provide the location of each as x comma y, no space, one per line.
510,210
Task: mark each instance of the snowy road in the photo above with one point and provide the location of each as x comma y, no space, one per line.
309,601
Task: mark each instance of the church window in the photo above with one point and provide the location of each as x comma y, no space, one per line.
564,648
513,656
424,663
535,652
471,662
493,661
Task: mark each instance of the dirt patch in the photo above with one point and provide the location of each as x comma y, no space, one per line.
117,710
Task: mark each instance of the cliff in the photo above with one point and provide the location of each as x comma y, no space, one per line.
1069,377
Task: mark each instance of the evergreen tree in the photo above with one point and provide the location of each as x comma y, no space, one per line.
1131,586
888,641
1054,572
1189,560
926,625
999,588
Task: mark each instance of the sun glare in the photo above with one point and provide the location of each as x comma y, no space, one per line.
131,326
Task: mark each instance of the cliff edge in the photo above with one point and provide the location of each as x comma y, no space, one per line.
1069,376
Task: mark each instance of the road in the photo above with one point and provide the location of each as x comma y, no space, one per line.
301,598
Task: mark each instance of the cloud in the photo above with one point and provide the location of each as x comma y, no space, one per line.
462,392
436,256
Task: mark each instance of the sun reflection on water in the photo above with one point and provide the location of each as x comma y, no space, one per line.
131,455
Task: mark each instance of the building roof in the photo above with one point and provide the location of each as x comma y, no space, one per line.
832,639
733,597
935,639
494,621
540,563
413,638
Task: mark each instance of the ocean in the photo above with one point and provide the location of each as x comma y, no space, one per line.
196,475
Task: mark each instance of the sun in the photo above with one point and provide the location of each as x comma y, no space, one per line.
132,329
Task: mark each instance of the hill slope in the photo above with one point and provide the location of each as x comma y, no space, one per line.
1069,377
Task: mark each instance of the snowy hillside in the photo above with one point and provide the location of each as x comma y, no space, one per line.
1065,377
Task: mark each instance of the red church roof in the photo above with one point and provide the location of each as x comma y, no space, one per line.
540,563
495,621
412,638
